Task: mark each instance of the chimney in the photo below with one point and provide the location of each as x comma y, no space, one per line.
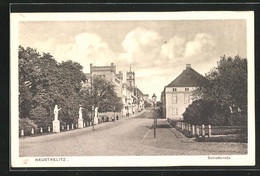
188,65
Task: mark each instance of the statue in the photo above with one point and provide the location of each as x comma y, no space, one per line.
56,122
80,112
80,120
96,116
56,112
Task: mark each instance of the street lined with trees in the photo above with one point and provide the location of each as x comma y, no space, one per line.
128,137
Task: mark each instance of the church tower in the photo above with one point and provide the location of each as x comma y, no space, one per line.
130,78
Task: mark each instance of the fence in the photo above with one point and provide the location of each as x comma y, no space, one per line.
208,131
49,129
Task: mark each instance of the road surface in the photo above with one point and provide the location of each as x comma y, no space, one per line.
130,136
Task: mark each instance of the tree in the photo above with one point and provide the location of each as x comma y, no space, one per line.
43,82
27,73
101,94
226,86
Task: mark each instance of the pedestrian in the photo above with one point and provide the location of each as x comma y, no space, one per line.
112,118
116,117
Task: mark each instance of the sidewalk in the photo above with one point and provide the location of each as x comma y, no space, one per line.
51,136
169,141
165,132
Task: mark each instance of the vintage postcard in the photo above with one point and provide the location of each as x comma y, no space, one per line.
132,89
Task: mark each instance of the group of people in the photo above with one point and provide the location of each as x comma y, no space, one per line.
113,118
105,118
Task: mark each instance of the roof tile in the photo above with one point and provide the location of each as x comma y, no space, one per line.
188,78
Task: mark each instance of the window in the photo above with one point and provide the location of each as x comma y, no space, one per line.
174,99
186,89
186,98
174,89
174,111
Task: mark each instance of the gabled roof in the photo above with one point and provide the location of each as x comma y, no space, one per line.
188,78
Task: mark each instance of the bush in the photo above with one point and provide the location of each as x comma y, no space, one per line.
26,125
238,119
205,112
39,116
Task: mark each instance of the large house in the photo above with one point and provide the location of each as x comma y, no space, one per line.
176,96
109,73
131,96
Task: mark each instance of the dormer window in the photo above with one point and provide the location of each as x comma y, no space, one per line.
174,89
186,89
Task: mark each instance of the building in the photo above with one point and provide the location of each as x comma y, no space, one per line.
130,78
146,97
137,95
176,96
109,73
132,97
128,100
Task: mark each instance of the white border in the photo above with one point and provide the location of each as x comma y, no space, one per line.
97,161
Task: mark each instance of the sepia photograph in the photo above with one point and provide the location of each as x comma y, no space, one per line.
132,89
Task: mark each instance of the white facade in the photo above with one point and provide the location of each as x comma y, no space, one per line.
177,100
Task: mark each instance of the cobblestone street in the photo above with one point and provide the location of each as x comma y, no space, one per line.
128,136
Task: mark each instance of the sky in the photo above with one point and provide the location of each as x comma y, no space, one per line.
157,51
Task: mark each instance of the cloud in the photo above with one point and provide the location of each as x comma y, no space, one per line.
86,48
45,45
140,45
90,42
203,43
173,48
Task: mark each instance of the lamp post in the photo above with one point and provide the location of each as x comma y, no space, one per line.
154,116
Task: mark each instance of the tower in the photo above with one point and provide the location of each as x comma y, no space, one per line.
130,78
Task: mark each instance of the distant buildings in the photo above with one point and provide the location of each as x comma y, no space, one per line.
176,96
146,97
109,73
132,97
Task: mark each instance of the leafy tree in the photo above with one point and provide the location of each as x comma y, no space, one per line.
101,94
27,73
226,86
43,82
39,116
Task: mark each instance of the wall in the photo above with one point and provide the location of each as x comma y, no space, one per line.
180,105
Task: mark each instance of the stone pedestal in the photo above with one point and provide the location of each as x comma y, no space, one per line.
80,123
95,120
56,126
